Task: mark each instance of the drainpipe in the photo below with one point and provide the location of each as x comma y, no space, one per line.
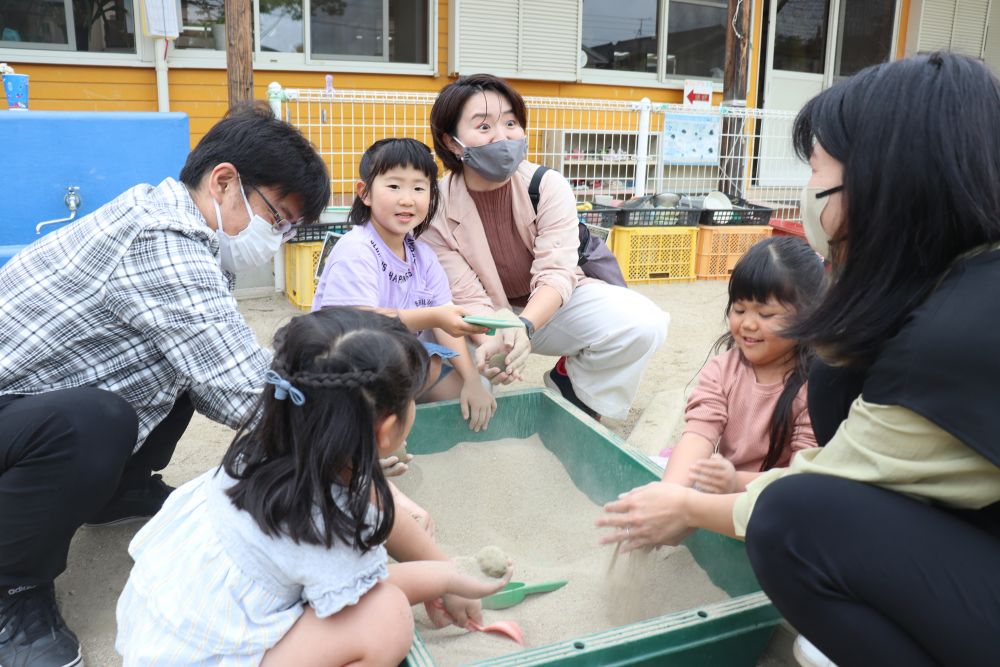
160,61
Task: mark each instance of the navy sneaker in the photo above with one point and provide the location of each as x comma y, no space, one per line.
33,632
133,503
561,383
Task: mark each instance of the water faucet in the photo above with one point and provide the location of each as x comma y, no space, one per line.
72,201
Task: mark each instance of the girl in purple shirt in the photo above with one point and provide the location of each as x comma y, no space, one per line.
383,266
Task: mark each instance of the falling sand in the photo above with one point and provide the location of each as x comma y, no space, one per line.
515,494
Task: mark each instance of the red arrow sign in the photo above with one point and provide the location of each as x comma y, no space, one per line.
698,97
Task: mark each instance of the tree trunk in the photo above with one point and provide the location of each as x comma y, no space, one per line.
239,51
734,83
734,93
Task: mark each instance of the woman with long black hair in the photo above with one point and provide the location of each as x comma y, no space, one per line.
883,546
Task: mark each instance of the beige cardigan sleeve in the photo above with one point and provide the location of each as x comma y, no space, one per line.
896,449
466,288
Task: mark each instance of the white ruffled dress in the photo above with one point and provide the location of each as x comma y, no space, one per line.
210,588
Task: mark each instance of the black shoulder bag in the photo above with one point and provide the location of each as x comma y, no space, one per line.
593,255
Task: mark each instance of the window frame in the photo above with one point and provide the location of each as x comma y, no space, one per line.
305,62
66,54
659,79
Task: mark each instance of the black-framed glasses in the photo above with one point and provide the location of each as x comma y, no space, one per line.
287,229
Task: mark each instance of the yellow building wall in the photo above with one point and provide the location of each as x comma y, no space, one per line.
202,93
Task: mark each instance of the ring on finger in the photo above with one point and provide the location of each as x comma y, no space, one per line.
628,535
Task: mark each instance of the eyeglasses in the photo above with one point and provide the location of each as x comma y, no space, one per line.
287,229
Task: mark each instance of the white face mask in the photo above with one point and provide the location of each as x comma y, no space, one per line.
814,200
254,246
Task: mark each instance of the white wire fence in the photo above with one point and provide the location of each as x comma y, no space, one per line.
607,149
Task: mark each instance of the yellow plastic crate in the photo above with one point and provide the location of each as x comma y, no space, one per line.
655,254
300,272
719,248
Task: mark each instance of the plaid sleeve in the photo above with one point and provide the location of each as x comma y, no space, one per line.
168,287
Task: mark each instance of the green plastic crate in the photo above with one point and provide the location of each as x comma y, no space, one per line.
730,633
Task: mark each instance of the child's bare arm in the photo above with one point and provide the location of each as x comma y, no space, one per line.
475,400
690,447
423,581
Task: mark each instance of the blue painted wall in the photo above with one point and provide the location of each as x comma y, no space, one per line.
102,153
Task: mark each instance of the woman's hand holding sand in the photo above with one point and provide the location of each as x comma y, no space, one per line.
650,515
715,474
513,345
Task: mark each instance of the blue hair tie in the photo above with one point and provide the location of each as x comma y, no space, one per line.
283,388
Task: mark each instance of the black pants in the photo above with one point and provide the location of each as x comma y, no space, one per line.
873,577
63,454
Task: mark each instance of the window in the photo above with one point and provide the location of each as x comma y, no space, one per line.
282,26
800,36
203,25
620,36
625,37
696,39
68,25
864,36
380,30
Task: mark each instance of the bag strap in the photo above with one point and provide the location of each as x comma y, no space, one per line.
535,193
534,188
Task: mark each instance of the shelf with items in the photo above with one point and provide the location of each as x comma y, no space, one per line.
596,162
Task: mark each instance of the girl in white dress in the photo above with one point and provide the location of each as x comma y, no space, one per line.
278,557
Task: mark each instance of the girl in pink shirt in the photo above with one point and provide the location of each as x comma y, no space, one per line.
748,413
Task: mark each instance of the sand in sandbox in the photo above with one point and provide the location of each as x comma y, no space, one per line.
515,494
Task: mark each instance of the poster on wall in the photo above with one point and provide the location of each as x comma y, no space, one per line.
691,139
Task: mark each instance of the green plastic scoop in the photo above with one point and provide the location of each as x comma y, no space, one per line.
492,323
515,592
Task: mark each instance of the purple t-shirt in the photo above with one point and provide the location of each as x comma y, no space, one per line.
362,271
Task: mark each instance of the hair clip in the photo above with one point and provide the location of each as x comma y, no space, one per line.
283,388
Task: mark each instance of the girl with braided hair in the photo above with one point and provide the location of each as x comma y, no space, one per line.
279,556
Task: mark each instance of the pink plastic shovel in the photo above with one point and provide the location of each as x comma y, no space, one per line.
509,629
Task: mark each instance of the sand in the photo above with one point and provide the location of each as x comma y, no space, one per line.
516,495
99,563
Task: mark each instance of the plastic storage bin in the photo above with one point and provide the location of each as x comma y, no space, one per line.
742,213
655,254
719,248
300,270
733,632
787,228
658,217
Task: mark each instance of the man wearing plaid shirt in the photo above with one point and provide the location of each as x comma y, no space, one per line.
113,330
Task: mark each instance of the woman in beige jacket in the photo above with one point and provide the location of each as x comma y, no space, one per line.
500,257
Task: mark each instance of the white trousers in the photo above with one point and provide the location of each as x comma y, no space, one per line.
608,334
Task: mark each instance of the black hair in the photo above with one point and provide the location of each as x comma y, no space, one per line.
786,269
450,102
354,367
386,154
266,151
920,143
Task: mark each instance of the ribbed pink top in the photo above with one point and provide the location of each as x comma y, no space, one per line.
730,407
512,258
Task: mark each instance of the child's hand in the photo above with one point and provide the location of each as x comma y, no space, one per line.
395,466
478,404
461,603
449,319
715,474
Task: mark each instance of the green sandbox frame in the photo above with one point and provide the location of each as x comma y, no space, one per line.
729,633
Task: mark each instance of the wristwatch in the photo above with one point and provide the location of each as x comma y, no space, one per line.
528,326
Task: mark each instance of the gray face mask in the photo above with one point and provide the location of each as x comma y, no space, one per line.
496,162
